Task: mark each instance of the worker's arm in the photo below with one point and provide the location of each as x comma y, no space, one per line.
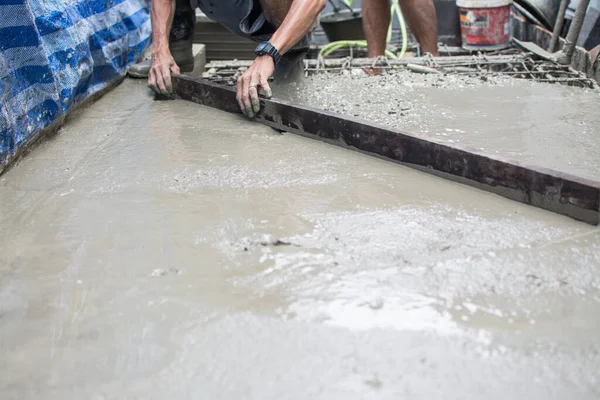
163,64
298,21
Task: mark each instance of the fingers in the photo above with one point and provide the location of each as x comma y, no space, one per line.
159,80
265,89
249,86
152,80
246,96
243,97
252,83
239,96
253,94
159,76
160,83
167,80
163,80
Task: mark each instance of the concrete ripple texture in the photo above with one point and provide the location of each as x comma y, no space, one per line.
166,250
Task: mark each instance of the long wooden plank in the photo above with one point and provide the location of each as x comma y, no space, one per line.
555,191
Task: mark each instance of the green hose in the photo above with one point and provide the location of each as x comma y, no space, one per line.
395,9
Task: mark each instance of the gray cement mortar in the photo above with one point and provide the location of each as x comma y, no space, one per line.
163,250
552,126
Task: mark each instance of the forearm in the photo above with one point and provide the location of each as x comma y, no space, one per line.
298,21
162,17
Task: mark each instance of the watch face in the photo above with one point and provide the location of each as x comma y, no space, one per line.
261,48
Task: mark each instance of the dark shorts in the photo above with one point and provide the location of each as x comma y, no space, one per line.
242,17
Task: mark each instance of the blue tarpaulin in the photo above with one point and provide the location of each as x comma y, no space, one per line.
55,53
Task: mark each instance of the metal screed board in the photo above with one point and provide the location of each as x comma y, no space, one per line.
555,191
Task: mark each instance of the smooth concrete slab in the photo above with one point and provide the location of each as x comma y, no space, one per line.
166,250
548,125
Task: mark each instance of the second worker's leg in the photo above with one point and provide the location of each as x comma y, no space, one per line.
376,19
421,19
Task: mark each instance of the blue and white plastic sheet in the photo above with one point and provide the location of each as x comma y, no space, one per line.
55,53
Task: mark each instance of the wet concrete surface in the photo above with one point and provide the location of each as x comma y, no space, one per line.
552,126
166,250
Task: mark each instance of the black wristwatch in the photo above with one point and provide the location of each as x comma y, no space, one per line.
266,48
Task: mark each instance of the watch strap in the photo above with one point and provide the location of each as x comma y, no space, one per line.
266,48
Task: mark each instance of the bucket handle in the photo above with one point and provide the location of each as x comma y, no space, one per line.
336,9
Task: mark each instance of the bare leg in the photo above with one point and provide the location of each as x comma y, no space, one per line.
376,19
275,10
420,16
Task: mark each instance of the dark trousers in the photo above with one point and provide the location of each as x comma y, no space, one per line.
184,21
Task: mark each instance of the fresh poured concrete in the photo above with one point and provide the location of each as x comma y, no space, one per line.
163,250
552,126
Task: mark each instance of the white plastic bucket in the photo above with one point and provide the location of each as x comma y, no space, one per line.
484,24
